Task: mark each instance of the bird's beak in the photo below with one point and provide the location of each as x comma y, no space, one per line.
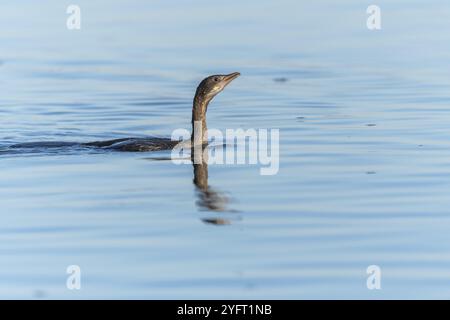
230,77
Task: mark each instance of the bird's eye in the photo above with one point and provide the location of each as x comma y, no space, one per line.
216,79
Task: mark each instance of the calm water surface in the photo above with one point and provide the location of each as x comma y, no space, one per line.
364,157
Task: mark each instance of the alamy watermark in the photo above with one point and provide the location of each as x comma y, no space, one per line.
73,281
374,279
73,22
234,147
374,20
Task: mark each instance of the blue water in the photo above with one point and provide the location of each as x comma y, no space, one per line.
364,173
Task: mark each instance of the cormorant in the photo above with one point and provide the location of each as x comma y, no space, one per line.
206,91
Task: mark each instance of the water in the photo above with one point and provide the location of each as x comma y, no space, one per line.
364,155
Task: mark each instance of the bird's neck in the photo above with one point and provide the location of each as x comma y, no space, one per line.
199,129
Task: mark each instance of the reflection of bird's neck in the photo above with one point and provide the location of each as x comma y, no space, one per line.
209,199
199,128
201,176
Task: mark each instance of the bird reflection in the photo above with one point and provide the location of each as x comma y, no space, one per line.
209,199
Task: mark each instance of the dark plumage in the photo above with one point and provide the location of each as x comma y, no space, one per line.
135,144
206,91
